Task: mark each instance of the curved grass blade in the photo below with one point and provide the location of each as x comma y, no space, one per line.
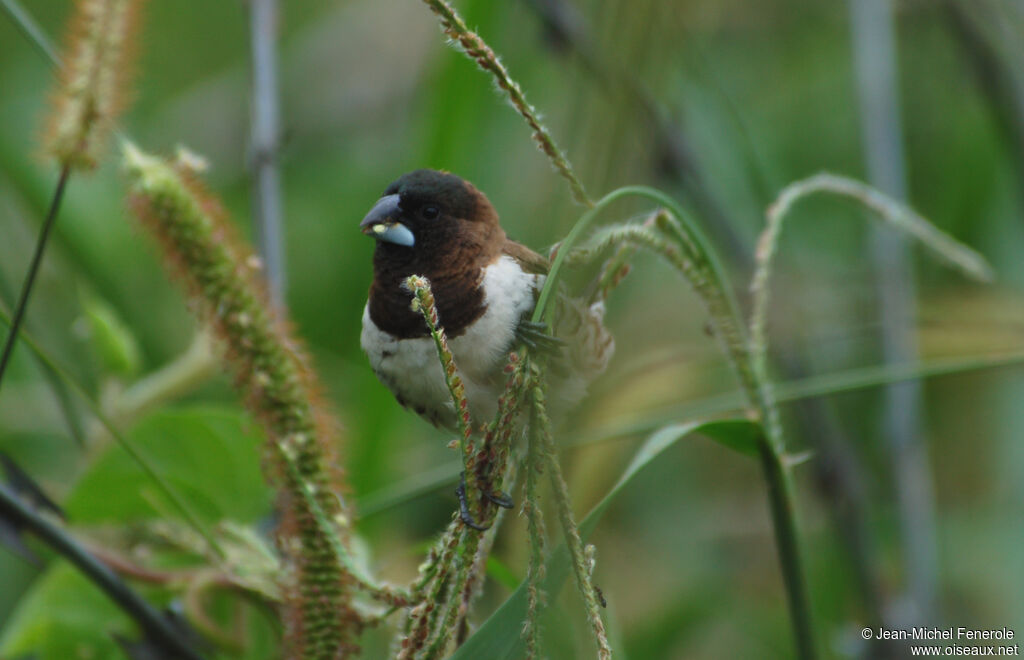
893,212
849,380
685,232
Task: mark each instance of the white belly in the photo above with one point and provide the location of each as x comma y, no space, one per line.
410,367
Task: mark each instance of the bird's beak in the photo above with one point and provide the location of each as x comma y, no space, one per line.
381,223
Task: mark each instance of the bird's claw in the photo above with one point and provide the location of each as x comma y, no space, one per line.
535,336
464,514
499,498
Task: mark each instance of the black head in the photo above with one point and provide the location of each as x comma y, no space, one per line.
437,225
425,206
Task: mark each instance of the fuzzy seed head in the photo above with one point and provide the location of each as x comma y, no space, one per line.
272,373
94,74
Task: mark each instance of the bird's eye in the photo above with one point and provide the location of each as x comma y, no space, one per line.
430,212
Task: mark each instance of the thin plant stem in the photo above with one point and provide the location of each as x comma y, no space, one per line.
478,50
780,500
700,244
465,560
892,211
264,143
155,626
33,270
423,301
541,425
475,584
452,570
429,591
31,30
537,534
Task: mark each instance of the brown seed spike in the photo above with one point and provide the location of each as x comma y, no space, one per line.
279,388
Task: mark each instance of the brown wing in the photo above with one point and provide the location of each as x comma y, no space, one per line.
528,260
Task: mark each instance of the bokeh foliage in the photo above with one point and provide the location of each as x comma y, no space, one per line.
763,93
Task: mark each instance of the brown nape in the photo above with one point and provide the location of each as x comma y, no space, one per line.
483,209
452,255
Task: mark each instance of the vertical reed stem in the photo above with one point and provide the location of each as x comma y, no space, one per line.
266,191
780,500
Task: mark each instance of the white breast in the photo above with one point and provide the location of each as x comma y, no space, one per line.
410,367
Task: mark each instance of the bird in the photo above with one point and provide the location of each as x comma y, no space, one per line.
436,224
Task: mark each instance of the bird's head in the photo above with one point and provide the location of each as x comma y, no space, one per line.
427,212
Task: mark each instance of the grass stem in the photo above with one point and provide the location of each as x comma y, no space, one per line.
33,270
780,500
541,425
478,50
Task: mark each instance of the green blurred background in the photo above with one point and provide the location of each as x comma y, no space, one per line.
719,103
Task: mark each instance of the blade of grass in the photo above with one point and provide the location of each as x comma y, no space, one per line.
697,243
815,386
730,402
892,211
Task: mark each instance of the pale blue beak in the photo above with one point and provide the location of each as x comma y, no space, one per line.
381,223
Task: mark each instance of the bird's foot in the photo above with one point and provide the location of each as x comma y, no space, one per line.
535,336
464,514
497,498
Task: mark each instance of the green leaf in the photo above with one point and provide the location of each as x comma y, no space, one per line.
737,434
64,616
502,574
209,455
499,636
